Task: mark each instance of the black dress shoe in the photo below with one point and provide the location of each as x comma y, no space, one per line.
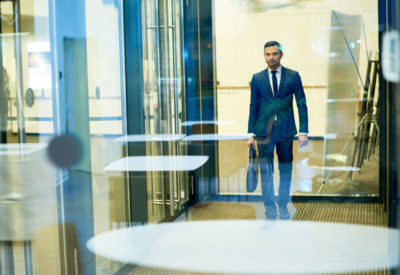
283,212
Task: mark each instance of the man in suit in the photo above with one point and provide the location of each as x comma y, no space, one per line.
271,120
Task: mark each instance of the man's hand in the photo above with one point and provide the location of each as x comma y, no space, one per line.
303,140
251,142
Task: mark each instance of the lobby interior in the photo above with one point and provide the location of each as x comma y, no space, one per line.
124,128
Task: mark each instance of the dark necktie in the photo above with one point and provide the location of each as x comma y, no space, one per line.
274,82
275,86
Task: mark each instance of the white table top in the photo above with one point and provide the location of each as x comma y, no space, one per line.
157,163
199,122
147,138
253,247
214,137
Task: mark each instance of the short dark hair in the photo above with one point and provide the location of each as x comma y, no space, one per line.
273,43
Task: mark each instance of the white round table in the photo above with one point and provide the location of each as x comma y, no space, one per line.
250,247
149,138
156,163
216,137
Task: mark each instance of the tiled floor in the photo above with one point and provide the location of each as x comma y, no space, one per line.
353,213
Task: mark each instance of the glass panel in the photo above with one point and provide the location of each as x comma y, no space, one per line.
179,95
126,126
163,101
347,102
28,185
106,111
62,107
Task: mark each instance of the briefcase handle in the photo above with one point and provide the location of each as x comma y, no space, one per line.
253,152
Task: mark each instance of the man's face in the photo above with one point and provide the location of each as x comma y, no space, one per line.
273,57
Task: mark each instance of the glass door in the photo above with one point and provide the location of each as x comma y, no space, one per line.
60,81
164,94
28,179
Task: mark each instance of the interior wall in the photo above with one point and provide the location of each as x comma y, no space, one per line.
303,30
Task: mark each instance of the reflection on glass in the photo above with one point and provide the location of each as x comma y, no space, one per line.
28,185
163,100
349,95
63,74
343,84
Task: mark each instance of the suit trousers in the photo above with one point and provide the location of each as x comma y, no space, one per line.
284,151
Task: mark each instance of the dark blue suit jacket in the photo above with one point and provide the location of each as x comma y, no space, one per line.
264,105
